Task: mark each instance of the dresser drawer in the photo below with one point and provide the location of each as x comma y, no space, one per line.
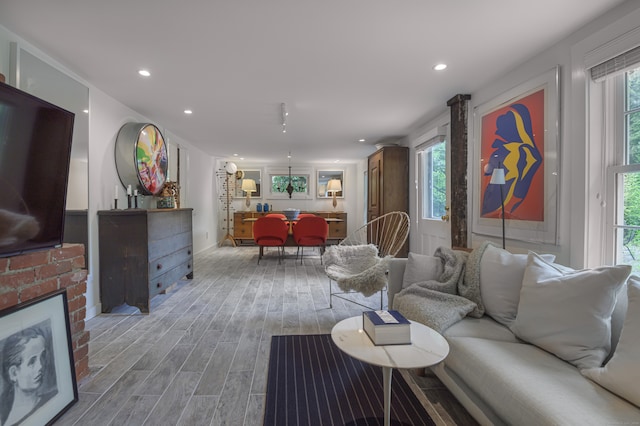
167,246
337,230
161,282
166,263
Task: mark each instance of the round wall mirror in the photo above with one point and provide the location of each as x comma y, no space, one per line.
141,157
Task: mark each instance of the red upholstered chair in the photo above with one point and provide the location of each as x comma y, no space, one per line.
301,215
270,232
310,232
278,215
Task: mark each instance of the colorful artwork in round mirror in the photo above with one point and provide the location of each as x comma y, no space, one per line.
141,157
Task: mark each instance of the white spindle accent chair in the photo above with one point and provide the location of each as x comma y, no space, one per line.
359,263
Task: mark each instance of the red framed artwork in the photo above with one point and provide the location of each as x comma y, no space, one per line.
517,132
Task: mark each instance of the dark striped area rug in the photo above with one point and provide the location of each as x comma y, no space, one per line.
312,382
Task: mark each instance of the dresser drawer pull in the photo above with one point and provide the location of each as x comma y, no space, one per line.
189,252
159,266
188,266
159,285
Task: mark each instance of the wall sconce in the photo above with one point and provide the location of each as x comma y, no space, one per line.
497,178
249,186
333,187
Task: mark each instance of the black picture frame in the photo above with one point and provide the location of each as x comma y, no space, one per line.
37,380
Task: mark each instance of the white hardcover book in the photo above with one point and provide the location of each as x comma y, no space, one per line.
386,327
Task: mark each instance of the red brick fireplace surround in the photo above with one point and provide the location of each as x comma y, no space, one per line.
30,275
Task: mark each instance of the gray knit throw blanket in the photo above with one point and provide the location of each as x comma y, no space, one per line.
456,293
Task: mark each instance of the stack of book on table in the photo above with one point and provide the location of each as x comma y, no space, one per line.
386,327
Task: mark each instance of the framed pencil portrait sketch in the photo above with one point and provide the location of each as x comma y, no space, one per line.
38,382
517,134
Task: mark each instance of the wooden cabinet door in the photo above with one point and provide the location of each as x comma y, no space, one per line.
375,176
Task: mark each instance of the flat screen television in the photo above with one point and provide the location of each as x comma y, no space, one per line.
35,150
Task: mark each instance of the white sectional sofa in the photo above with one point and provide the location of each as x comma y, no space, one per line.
501,379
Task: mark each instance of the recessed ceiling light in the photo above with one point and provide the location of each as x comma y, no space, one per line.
235,155
361,140
440,67
144,73
86,111
242,158
188,111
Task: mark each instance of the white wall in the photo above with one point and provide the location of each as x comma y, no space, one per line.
574,191
78,191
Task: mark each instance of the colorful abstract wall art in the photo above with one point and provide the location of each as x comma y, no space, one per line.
513,138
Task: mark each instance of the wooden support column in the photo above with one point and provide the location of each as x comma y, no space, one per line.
458,210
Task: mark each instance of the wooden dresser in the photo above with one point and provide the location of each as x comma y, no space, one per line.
243,229
142,252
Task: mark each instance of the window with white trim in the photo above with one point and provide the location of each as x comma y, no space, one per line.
615,110
432,163
624,176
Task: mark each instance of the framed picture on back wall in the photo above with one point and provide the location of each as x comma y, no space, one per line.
518,133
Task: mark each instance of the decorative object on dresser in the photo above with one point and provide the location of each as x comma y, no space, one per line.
248,186
291,214
171,194
388,175
333,187
157,252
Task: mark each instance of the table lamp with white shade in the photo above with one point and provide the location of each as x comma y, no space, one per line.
249,186
333,187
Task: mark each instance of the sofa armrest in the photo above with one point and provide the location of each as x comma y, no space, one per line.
396,273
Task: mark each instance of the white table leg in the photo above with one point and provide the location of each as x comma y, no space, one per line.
386,379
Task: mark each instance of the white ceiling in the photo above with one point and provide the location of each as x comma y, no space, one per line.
346,69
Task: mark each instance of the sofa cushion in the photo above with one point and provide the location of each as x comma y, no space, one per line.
621,374
568,312
420,268
484,328
501,275
525,385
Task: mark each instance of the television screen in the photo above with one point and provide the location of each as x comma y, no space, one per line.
35,149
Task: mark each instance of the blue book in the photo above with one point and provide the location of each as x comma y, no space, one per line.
387,327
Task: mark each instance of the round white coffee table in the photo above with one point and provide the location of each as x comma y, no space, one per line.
427,348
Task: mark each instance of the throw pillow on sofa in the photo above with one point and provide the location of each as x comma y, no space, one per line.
621,374
420,268
501,276
568,312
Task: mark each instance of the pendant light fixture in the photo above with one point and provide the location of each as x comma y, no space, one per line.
290,186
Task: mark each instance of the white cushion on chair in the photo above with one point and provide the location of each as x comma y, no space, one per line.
356,268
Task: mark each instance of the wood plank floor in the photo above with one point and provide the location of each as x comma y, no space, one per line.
200,357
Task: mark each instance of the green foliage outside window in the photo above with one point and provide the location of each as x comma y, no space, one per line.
439,179
631,237
279,183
